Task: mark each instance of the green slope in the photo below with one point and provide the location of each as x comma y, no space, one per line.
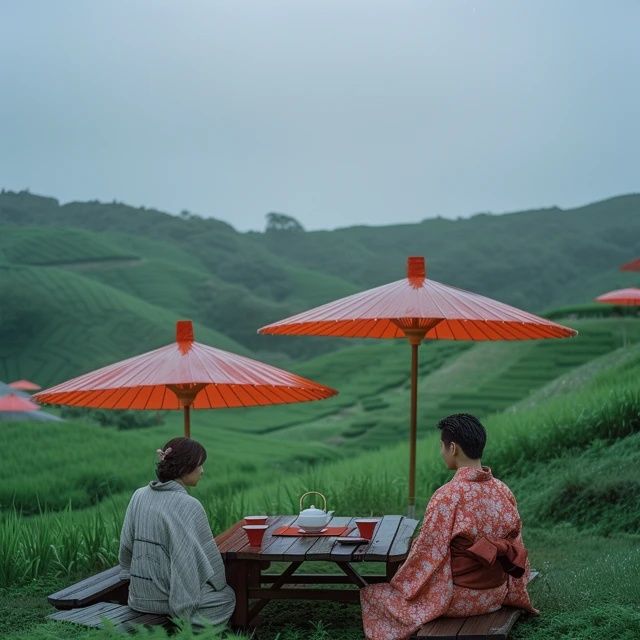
372,408
72,247
231,287
535,259
56,324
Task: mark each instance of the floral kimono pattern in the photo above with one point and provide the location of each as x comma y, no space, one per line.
475,504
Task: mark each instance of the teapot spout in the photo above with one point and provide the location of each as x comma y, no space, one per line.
329,515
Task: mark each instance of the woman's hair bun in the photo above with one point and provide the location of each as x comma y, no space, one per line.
179,457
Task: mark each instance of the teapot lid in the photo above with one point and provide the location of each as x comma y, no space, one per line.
313,511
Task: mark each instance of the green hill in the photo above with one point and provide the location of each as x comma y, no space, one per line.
534,259
57,247
372,408
85,284
56,324
235,282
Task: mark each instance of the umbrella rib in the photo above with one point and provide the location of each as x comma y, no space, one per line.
149,396
230,390
507,329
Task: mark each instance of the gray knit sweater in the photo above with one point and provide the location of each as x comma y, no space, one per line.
168,551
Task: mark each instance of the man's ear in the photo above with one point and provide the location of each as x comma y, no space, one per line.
454,449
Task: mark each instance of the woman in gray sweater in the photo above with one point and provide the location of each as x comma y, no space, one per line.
167,549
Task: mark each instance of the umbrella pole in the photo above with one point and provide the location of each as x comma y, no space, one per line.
186,394
415,336
187,421
413,428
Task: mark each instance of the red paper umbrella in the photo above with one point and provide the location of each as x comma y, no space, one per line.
634,265
182,375
417,308
25,385
626,297
13,403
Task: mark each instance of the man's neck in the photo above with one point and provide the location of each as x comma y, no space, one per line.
475,464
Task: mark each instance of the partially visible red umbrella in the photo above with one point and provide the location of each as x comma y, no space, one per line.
624,297
182,375
14,403
634,265
418,309
24,385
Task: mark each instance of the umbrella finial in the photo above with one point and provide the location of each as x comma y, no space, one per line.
416,267
184,331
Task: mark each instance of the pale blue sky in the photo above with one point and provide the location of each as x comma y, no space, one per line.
337,112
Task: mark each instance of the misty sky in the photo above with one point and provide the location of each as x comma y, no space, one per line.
337,112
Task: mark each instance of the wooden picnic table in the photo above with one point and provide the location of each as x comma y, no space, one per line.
245,564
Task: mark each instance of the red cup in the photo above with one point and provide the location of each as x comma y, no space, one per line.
255,519
366,527
255,533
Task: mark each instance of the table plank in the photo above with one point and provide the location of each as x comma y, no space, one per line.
442,628
232,540
323,545
402,542
344,552
221,538
496,625
256,553
277,547
378,549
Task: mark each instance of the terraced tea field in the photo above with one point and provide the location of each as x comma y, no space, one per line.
479,378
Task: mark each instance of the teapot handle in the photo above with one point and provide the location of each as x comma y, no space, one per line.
304,495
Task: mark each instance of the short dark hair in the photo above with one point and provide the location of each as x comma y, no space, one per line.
185,455
465,430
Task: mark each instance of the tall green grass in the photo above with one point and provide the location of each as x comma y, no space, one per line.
372,483
83,464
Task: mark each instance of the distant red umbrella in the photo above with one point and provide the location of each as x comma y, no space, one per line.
17,404
182,375
634,265
25,385
417,308
623,297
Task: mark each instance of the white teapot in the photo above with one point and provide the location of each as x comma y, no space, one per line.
313,520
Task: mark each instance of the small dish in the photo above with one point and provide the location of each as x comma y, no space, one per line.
300,530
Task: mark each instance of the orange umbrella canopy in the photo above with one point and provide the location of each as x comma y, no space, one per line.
24,385
14,403
634,265
418,308
627,297
417,303
185,374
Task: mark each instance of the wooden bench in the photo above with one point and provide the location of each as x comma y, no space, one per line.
495,625
105,586
105,595
120,615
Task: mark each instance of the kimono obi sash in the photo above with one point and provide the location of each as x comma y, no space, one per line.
485,563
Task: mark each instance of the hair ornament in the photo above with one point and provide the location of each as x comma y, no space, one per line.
163,454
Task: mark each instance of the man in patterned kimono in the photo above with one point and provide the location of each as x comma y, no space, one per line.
468,558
